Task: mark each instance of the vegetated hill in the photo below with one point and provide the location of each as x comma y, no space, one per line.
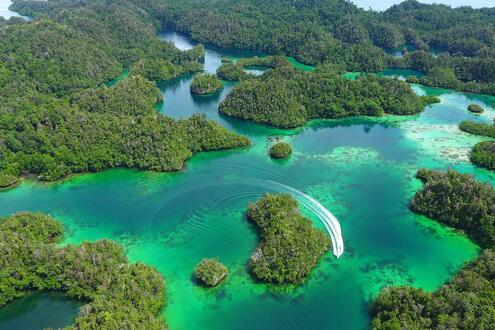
287,98
56,115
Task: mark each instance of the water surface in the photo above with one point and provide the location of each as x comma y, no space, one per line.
4,9
39,310
361,169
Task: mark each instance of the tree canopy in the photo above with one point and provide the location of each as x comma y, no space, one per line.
287,98
205,84
290,246
57,114
466,301
118,294
338,32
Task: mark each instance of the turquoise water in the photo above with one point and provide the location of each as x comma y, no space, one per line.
361,169
4,11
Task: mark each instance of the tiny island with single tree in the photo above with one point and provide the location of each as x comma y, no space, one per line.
210,272
290,247
7,180
204,84
475,108
280,150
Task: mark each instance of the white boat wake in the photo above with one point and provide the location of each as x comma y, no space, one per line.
329,220
331,223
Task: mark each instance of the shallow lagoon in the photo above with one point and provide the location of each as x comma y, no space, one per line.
361,169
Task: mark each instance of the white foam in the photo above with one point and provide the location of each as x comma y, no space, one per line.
331,223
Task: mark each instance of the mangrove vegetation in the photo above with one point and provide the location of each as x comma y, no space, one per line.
458,201
483,153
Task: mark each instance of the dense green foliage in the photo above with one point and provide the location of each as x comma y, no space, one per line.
475,108
290,246
58,117
466,302
272,62
7,180
281,150
314,32
210,272
475,75
205,84
109,127
119,295
483,154
478,128
336,31
231,71
286,97
458,201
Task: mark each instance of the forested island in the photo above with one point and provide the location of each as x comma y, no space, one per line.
338,32
231,71
475,108
78,94
57,116
459,201
205,84
290,246
117,294
287,98
210,272
483,153
280,150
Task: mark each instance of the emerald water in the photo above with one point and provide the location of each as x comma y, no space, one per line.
4,9
361,169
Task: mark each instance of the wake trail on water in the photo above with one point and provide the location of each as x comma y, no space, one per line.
331,223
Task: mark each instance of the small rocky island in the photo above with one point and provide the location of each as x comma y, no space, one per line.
210,272
475,108
290,246
280,150
205,84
